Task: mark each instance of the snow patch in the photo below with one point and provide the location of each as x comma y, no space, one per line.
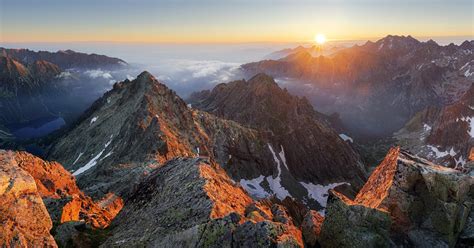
469,120
106,155
282,157
189,105
275,183
346,137
253,187
426,127
78,157
441,154
319,192
468,73
89,165
94,119
460,162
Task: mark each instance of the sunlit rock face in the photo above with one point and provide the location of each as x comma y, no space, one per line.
192,202
64,200
25,220
425,203
442,135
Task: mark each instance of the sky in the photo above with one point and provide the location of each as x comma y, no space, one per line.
230,21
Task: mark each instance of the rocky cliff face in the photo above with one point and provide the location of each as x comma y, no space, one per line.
443,135
378,86
407,201
25,220
192,202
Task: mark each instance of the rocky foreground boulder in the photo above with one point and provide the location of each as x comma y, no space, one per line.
25,222
407,201
37,195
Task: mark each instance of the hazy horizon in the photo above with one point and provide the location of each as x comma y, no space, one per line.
229,21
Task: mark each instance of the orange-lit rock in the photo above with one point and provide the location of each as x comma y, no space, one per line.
54,182
193,202
25,222
425,203
311,227
471,154
226,197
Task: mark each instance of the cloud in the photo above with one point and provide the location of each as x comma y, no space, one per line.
98,74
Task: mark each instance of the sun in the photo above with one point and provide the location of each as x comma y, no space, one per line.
320,39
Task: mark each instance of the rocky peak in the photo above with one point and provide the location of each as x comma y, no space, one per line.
395,41
299,56
290,123
468,45
12,69
44,70
141,124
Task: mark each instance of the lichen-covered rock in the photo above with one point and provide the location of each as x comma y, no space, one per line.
311,227
24,219
466,238
428,204
427,201
348,224
192,202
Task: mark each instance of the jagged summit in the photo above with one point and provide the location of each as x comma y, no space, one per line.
145,75
12,69
290,122
141,124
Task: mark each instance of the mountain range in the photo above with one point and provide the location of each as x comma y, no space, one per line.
247,163
377,87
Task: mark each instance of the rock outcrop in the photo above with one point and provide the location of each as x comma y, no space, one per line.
349,224
428,205
64,200
192,202
25,222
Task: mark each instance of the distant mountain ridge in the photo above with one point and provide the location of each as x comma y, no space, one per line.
64,59
38,86
378,86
